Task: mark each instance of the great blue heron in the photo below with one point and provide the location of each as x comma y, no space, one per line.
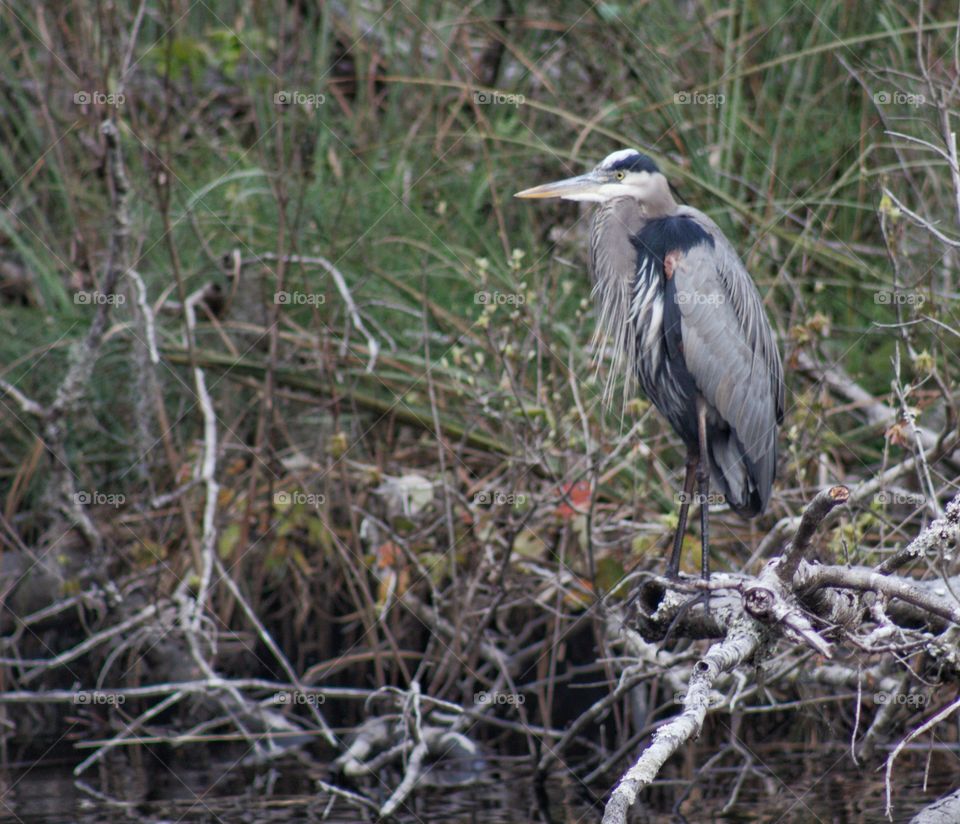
683,314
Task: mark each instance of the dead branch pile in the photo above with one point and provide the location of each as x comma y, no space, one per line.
838,614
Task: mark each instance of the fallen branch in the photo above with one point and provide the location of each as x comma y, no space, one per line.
794,600
742,642
865,579
944,811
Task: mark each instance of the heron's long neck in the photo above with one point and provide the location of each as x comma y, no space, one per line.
613,264
660,202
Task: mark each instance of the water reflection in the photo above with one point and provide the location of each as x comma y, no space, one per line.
182,787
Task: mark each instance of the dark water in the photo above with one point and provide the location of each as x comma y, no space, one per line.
821,787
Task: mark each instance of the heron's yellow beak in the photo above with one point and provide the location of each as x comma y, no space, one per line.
572,187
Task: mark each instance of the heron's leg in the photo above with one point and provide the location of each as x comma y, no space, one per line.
703,487
673,568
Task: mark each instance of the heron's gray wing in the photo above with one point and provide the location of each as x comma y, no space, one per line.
729,349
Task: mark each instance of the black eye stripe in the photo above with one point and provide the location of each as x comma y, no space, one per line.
636,163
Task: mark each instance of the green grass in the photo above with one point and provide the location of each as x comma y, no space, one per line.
406,183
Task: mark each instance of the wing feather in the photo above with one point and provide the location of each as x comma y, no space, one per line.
730,350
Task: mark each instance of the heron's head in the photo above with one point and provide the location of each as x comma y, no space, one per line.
626,173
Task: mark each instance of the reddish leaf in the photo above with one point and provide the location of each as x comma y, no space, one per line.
576,499
898,434
389,555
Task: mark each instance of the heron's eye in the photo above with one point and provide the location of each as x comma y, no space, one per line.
621,175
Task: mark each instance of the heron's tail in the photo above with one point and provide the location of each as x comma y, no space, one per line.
745,485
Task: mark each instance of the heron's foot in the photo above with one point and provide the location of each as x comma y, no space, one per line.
700,600
704,598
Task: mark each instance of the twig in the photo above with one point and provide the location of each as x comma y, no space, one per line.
373,345
130,730
89,644
858,495
946,712
818,509
629,678
910,417
206,471
347,795
922,222
939,535
149,322
410,777
31,407
272,646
